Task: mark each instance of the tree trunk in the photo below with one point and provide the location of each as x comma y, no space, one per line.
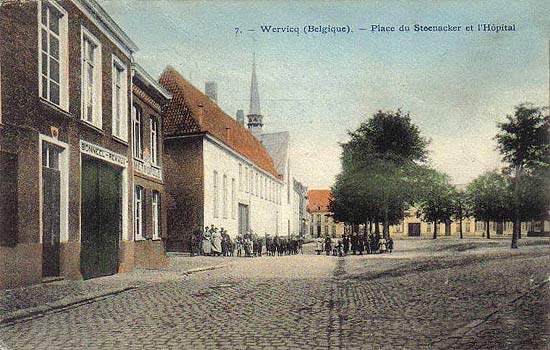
461,236
386,225
515,233
435,230
517,222
487,229
376,230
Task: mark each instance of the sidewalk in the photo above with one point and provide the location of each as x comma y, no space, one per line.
24,302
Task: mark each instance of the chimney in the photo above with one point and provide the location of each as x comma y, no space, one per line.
228,135
240,117
200,115
211,90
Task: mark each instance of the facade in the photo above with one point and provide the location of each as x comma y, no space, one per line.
149,226
320,222
413,226
66,180
216,172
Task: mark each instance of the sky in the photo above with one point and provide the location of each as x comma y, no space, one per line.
456,85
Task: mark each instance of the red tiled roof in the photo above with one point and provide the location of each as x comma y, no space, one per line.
182,118
318,200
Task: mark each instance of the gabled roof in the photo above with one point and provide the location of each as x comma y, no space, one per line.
277,144
182,117
318,200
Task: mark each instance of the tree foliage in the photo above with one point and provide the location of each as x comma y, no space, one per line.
436,202
524,142
378,170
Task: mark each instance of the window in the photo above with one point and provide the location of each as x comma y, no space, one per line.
91,79
139,198
240,177
480,226
429,227
224,187
334,230
318,218
257,184
233,199
326,218
458,227
154,141
155,215
137,130
326,229
467,226
246,180
53,82
215,197
120,99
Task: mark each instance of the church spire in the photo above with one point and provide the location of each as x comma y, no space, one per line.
254,94
255,123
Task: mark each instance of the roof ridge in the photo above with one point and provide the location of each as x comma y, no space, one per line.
184,111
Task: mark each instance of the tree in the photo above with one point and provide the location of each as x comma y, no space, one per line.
436,202
377,167
489,194
524,142
462,208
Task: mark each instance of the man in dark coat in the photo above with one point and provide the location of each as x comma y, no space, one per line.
345,241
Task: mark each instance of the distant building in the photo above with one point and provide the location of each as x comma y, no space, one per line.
320,222
414,226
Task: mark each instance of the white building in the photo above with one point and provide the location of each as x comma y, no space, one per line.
216,172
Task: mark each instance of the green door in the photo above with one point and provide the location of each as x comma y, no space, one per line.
51,197
101,218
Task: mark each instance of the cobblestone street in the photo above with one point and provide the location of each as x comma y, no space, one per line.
449,294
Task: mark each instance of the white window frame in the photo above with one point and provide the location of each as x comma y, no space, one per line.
233,200
154,136
224,192
240,177
63,38
137,138
139,198
155,214
246,179
118,66
215,196
97,92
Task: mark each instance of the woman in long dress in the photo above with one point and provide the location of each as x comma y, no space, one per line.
216,242
206,245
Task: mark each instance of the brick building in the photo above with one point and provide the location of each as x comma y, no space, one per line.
320,222
149,100
66,181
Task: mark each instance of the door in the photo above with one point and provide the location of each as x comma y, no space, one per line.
414,229
51,199
100,218
243,219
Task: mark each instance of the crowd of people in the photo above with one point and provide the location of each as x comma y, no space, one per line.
354,244
217,242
